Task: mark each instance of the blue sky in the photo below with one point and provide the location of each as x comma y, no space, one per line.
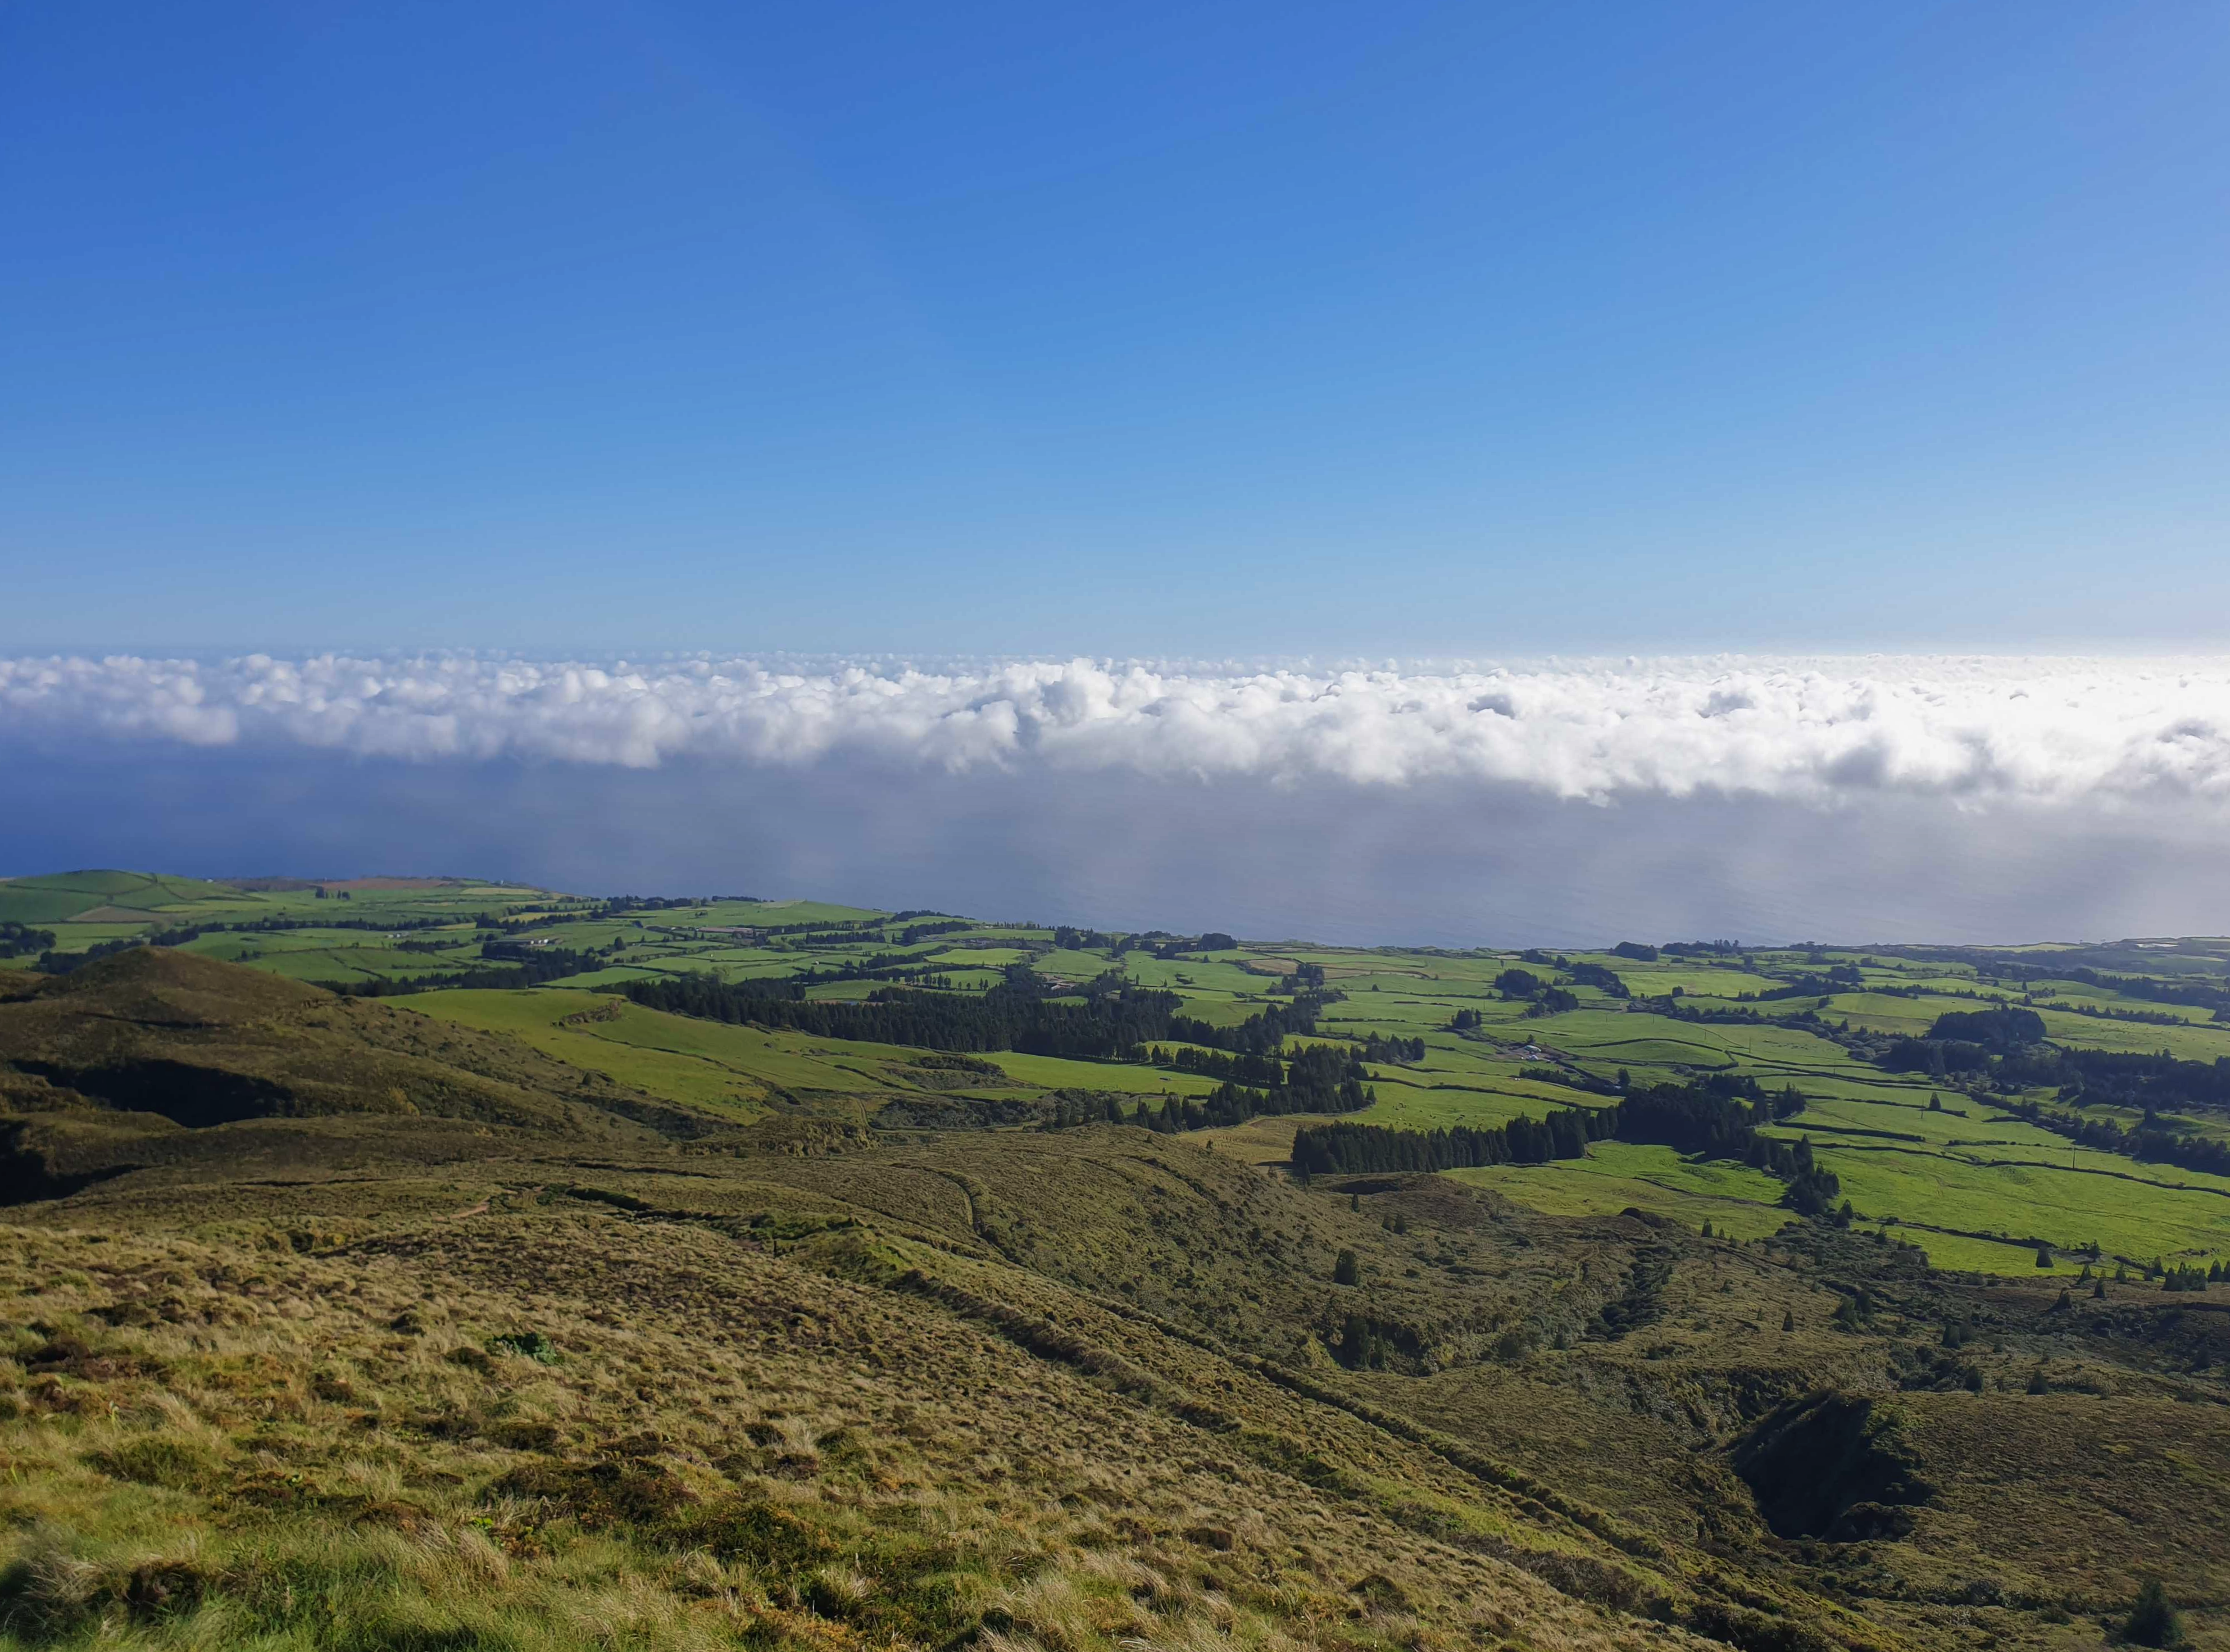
1211,330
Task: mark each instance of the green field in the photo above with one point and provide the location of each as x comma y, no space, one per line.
1615,1175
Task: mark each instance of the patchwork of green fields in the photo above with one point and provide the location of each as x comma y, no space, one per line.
1966,1179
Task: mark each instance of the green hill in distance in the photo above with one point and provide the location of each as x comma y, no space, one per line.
461,1265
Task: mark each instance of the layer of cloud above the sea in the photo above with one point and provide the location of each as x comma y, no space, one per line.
1558,803
2035,730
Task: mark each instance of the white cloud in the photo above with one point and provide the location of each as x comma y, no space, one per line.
1811,731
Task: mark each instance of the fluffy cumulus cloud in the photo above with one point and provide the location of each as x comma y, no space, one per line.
2031,731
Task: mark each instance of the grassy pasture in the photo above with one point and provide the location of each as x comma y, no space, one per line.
1180,975
758,913
704,1063
1410,1106
2130,1213
1905,1017
1055,1072
1733,1198
1963,1253
665,1055
2201,1043
1069,965
1702,981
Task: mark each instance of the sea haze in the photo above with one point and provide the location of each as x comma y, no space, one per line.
1882,798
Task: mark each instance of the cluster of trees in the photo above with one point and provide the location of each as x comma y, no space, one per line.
1213,941
1839,978
1070,1110
1247,1066
880,966
2203,993
1116,1020
1703,949
1465,1021
2148,1082
1307,978
1159,942
2109,1012
2009,1043
1717,1117
1378,1049
1321,1078
619,906
1634,950
1518,983
1346,1148
1546,997
2149,1142
253,926
2192,1277
1595,974
53,963
2002,1031
913,933
1967,1041
505,966
851,935
17,940
1939,1058
1011,1016
1266,1029
1672,1008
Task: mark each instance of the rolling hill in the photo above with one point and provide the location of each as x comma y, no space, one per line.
540,1316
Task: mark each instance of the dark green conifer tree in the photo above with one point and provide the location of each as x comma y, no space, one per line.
2154,1621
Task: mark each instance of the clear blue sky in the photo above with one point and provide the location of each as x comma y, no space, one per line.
1207,329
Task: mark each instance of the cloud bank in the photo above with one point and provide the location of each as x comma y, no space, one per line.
2032,732
1882,799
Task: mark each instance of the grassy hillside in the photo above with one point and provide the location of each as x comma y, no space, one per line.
537,1316
1815,1018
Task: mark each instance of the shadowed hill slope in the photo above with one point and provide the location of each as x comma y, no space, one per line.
151,1056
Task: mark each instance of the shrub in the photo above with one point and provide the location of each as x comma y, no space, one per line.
1346,1270
2154,1621
527,1344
